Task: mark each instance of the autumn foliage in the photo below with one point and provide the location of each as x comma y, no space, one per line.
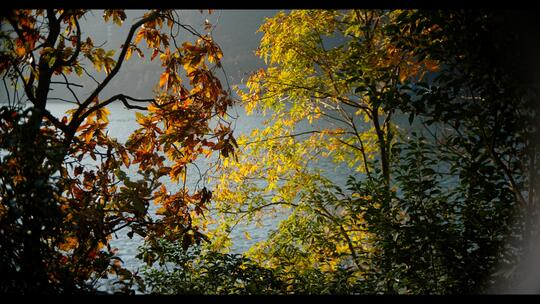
398,149
64,186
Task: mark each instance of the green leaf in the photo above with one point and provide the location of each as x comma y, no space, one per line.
52,61
138,204
411,118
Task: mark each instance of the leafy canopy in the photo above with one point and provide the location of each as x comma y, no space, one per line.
59,209
426,211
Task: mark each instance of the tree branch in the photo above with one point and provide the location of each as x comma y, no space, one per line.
121,97
283,136
27,87
77,47
77,117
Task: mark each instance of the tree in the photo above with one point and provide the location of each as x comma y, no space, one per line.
330,74
435,211
58,210
482,115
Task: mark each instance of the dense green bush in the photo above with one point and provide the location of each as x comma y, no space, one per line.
199,271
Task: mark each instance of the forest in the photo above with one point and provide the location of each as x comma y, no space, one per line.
397,153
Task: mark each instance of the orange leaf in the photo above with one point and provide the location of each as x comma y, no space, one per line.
125,157
163,79
70,243
402,76
139,36
20,50
176,170
128,53
164,170
154,54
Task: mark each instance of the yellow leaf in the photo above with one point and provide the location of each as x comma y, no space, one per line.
102,114
161,210
140,117
139,36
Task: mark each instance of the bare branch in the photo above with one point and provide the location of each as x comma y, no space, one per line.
89,75
61,99
27,87
121,97
67,83
287,136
